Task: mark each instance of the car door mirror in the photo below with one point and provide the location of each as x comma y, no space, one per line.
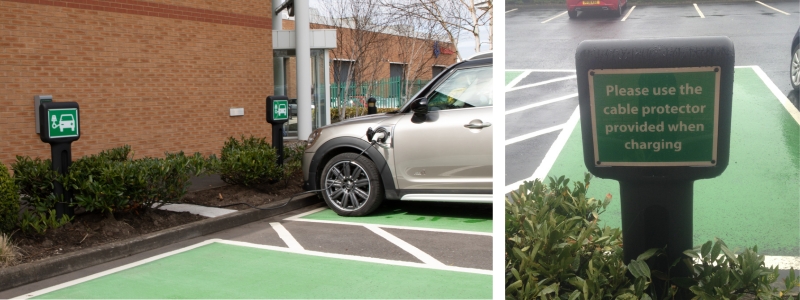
420,106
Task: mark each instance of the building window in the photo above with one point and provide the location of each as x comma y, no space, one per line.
341,70
435,70
397,70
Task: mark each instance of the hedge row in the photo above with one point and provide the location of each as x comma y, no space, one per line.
112,181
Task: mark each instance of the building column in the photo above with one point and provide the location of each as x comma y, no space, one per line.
279,82
327,87
303,50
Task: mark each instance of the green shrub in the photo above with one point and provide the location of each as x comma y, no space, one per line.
249,161
35,177
40,222
9,201
292,160
555,250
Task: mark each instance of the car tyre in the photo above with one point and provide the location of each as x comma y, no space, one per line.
794,68
572,14
351,185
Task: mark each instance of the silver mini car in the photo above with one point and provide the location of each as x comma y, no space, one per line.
437,147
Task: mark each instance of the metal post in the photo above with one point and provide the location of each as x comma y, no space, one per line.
303,50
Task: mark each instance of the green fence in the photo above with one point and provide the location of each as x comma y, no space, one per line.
389,93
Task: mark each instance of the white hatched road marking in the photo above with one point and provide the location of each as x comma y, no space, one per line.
518,79
299,218
541,83
534,134
699,12
419,254
628,14
775,9
286,236
537,104
556,16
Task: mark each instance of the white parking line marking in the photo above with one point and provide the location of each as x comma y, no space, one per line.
511,10
550,158
777,92
529,106
286,236
251,245
778,10
783,262
518,79
534,134
628,14
541,83
310,212
556,16
699,12
393,226
419,254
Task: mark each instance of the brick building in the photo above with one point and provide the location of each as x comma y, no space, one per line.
159,75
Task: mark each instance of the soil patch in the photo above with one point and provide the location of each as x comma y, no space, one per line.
93,229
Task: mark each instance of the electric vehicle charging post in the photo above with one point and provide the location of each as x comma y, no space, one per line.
277,114
59,125
656,116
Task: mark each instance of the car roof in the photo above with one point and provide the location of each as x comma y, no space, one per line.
481,55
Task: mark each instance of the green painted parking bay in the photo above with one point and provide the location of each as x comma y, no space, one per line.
755,201
220,269
429,216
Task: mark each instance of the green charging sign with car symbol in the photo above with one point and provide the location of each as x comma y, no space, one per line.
280,110
62,123
655,117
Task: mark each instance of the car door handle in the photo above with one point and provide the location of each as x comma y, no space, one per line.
477,126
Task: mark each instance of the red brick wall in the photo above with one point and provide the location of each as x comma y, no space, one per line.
158,75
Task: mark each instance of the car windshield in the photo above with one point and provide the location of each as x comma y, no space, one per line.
465,88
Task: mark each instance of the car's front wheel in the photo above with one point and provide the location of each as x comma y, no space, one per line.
351,185
795,67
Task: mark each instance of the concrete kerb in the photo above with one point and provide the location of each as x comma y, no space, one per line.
36,271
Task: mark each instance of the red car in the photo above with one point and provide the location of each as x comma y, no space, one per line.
574,6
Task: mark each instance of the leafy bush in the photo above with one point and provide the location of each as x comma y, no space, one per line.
249,161
9,201
556,250
34,177
110,181
292,160
40,222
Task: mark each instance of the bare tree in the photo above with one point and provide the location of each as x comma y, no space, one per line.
453,16
359,24
414,39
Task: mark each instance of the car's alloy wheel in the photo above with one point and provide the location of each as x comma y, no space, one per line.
351,185
795,68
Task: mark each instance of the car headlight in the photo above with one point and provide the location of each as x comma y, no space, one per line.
313,137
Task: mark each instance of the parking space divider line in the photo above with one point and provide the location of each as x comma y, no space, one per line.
396,227
511,10
518,79
537,104
778,94
286,236
552,154
556,16
112,271
702,16
419,254
775,9
541,70
628,14
541,83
